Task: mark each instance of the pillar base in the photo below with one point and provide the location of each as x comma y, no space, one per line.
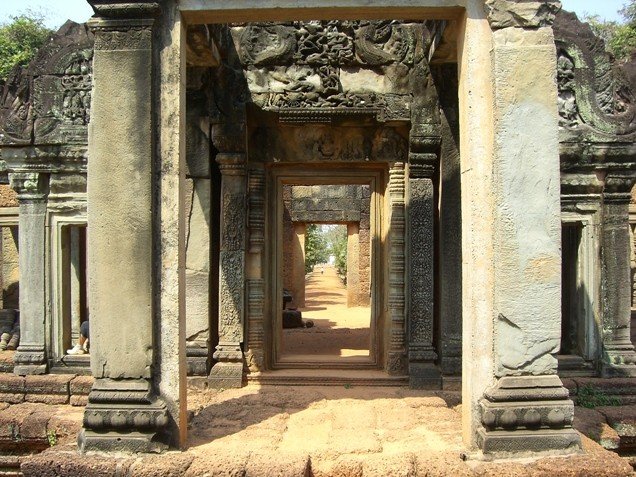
619,360
527,414
123,416
424,376
226,376
197,360
228,371
30,360
133,442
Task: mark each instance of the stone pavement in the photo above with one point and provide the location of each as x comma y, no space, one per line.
320,432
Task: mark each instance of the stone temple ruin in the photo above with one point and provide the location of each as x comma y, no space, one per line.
161,153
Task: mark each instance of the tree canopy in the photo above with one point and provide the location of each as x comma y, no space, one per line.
620,37
19,41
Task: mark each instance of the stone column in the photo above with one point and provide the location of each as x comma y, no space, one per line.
32,189
75,283
515,402
423,373
397,363
228,371
353,264
124,413
619,358
255,283
298,265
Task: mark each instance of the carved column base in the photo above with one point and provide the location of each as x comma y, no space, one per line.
397,363
123,416
527,414
228,371
423,373
255,360
197,360
619,360
29,360
424,376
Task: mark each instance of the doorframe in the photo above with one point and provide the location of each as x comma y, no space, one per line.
376,176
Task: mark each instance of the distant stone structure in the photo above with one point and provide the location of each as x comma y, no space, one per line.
348,205
152,152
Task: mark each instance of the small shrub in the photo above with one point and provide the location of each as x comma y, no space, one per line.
591,397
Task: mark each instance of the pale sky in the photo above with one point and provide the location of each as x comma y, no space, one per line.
57,11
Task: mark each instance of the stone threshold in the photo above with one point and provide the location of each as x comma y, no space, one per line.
326,377
594,461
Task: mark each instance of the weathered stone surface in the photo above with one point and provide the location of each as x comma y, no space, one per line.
81,385
525,13
593,424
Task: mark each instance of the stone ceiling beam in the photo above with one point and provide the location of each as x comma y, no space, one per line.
223,11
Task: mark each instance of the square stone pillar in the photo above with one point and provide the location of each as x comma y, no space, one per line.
423,373
353,264
514,400
32,190
125,411
619,358
298,264
228,371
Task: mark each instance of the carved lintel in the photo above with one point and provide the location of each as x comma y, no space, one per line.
123,415
527,413
521,14
125,8
30,186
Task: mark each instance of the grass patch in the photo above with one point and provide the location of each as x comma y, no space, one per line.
591,397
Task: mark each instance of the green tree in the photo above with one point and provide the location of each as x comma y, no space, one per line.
316,247
620,37
19,41
336,236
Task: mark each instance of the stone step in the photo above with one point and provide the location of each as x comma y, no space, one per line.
327,377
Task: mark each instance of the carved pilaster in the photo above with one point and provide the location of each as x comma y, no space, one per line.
527,414
228,371
421,212
32,189
397,362
115,407
619,357
255,283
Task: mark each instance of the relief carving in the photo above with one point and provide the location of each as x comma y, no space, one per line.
299,65
266,44
231,296
233,237
594,98
421,261
134,38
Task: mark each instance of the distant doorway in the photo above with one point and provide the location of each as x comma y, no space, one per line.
330,236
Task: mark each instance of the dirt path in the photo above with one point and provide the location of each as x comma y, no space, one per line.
338,331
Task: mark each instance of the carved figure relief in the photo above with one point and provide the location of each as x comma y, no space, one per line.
593,98
299,64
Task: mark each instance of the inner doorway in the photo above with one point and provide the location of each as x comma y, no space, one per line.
326,275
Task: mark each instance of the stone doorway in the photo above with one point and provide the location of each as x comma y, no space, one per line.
348,325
